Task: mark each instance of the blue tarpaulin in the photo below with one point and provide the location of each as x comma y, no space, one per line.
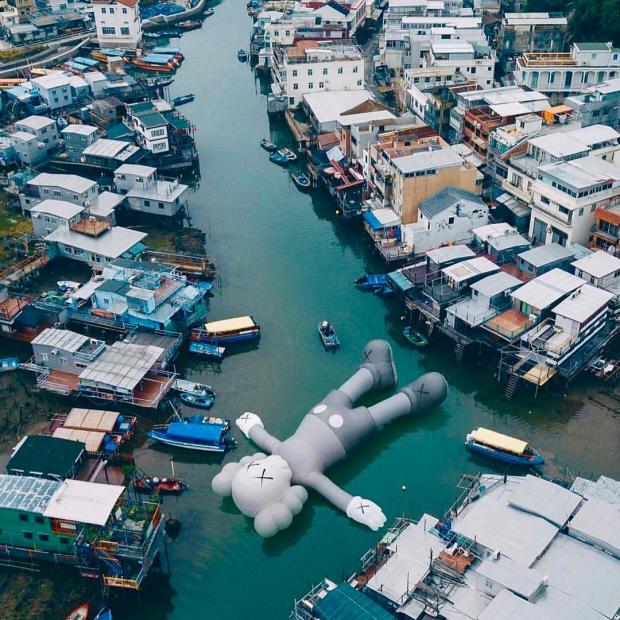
381,218
347,603
208,433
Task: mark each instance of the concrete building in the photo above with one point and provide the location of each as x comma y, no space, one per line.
606,230
314,66
34,139
149,125
51,214
567,194
559,74
118,23
532,32
54,89
77,138
67,187
600,269
598,104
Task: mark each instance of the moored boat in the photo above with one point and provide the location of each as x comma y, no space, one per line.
65,286
242,55
416,338
171,486
211,351
328,335
79,613
190,24
201,401
268,145
285,152
502,447
208,12
238,329
301,180
372,282
9,363
278,158
104,614
183,386
206,434
183,99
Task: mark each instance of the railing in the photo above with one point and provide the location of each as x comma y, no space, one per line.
92,352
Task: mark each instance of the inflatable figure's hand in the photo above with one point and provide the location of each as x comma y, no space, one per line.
366,512
248,421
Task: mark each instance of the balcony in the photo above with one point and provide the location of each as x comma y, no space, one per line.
510,324
89,350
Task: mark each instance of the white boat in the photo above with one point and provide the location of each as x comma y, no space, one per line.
191,387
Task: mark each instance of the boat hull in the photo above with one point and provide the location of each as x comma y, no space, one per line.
206,402
177,443
505,457
229,339
414,337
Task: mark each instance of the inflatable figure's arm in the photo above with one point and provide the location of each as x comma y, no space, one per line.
361,510
252,427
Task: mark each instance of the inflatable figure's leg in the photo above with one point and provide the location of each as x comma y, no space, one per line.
424,393
377,371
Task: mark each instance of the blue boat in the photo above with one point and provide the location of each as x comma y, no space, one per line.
211,351
201,401
239,329
183,99
278,158
502,447
372,282
9,363
104,614
197,432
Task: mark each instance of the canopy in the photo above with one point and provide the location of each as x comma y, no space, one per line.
400,281
499,441
346,603
230,325
381,218
92,439
91,420
209,433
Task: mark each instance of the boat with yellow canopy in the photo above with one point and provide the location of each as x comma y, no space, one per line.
502,447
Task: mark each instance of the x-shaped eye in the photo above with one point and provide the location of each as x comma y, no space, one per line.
252,464
362,506
367,355
262,477
421,391
246,416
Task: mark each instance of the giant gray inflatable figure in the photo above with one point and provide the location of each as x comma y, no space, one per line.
271,489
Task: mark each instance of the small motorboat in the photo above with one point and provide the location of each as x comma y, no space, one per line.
9,363
184,386
207,434
212,351
268,145
190,25
104,614
301,180
372,282
278,158
79,613
242,55
208,12
416,338
328,335
201,401
171,486
386,289
502,447
66,286
152,35
288,154
183,99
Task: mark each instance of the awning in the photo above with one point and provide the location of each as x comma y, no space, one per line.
400,281
381,218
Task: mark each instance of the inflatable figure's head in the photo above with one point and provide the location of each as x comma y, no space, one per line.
261,488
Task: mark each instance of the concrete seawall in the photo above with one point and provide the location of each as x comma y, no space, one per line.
162,20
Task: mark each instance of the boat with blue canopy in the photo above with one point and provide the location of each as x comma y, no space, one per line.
207,434
212,351
9,363
502,447
372,282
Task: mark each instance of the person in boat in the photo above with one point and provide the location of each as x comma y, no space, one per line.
272,489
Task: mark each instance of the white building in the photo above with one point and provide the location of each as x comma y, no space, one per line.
601,269
34,138
150,126
315,67
560,74
50,214
447,217
567,194
118,23
55,89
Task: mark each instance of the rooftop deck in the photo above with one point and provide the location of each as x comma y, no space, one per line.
509,324
92,226
11,307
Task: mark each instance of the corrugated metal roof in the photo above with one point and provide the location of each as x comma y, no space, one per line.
450,253
427,160
546,254
583,303
61,338
470,268
496,284
598,522
547,289
26,493
598,264
509,606
518,578
448,198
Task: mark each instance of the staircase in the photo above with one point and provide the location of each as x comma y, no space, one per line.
511,387
459,352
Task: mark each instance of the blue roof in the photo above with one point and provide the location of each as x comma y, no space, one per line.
166,50
208,433
346,603
374,223
91,62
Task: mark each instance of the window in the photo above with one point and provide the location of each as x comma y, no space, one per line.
23,517
111,10
309,71
355,69
147,203
124,11
451,220
340,71
28,535
103,11
125,31
43,537
321,84
310,85
108,30
39,519
580,212
295,86
294,72
161,205
359,82
56,193
325,71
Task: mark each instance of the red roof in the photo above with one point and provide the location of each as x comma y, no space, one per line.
129,3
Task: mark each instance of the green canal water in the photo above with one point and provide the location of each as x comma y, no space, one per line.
284,258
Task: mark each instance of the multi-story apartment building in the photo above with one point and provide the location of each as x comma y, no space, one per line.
34,139
118,23
315,66
532,32
567,194
558,74
598,104
606,230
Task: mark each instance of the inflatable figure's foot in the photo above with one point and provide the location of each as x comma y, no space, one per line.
248,421
377,358
366,512
426,392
